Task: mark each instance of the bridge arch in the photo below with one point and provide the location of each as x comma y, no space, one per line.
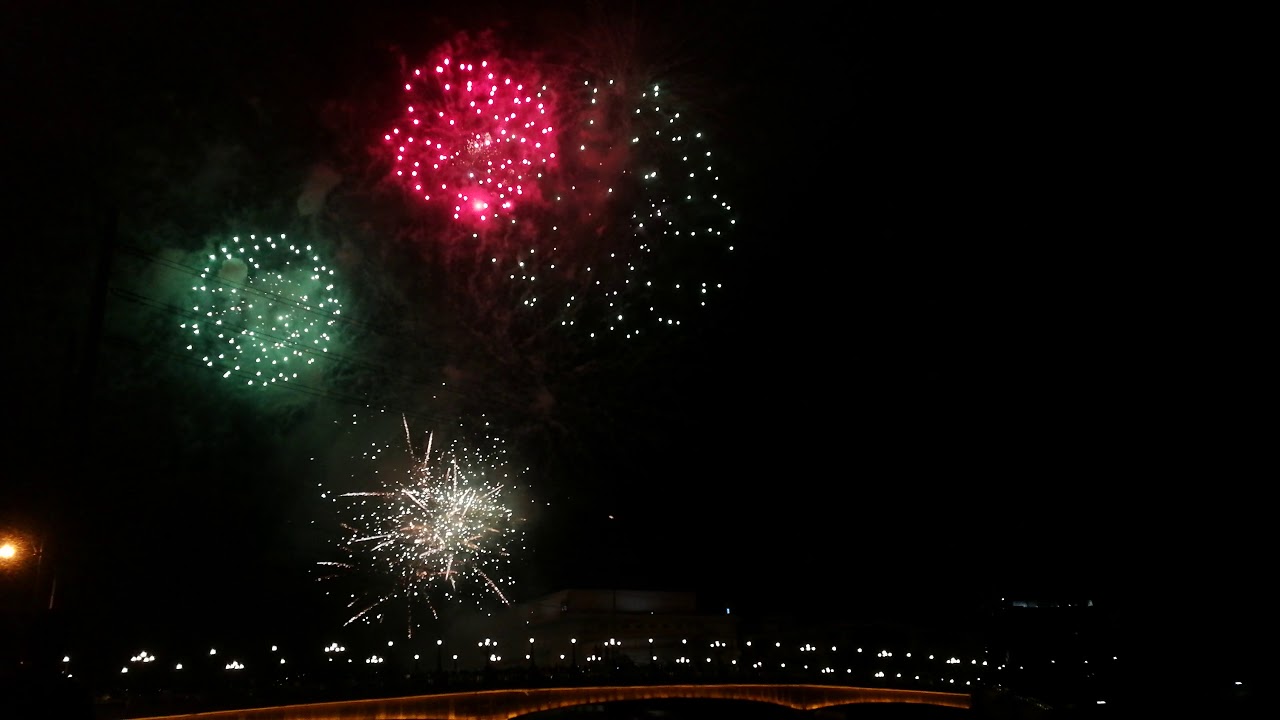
508,704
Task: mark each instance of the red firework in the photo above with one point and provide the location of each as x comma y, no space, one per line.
475,137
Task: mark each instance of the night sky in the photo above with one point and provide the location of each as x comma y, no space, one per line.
926,382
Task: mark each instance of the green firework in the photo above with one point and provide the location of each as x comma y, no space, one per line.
264,312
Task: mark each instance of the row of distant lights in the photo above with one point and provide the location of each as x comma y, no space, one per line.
145,657
807,647
334,648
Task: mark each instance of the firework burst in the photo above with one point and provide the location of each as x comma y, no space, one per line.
664,215
476,135
604,259
636,231
583,181
438,531
263,311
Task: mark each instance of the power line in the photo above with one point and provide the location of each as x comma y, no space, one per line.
340,358
291,385
275,297
379,330
502,404
141,299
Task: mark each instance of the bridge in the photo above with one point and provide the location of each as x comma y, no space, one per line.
507,704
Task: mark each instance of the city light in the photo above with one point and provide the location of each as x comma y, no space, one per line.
763,660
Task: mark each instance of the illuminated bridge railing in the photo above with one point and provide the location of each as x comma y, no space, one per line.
512,703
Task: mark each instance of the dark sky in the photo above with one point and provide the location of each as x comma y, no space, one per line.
928,383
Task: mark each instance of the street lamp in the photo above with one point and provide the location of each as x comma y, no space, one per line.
22,553
439,654
573,643
15,547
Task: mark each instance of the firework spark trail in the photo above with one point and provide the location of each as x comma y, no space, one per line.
494,587
408,436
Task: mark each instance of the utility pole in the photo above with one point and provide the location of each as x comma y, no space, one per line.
77,399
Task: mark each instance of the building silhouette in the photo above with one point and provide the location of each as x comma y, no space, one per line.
582,627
